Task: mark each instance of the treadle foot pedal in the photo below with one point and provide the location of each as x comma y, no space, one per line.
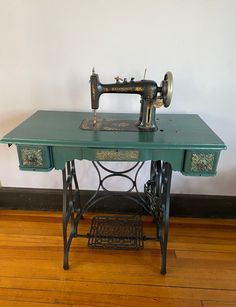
116,232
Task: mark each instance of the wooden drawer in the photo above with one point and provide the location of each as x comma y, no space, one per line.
35,158
201,162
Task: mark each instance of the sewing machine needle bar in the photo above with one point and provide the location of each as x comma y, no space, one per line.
94,117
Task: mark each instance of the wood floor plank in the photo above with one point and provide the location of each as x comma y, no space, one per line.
96,299
143,270
99,287
206,255
217,304
22,303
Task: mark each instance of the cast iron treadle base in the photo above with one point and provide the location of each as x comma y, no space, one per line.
116,232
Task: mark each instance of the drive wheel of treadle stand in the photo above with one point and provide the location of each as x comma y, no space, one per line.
160,174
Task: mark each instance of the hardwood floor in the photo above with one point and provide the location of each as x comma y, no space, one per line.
201,265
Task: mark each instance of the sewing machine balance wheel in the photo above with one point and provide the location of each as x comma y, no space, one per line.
167,89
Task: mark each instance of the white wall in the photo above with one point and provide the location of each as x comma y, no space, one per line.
48,48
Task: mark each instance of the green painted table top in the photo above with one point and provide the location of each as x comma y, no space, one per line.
60,128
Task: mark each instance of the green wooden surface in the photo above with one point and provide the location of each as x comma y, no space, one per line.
48,139
55,128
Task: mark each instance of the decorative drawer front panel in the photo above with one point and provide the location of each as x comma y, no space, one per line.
201,162
117,155
111,154
34,157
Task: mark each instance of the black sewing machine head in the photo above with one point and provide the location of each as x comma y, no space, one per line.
152,96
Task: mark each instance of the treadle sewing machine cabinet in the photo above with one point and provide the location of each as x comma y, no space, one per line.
179,142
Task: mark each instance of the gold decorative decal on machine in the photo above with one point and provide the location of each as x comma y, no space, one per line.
124,89
32,157
93,91
118,155
202,162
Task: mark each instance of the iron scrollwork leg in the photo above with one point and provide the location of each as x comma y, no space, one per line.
156,202
111,173
72,211
157,191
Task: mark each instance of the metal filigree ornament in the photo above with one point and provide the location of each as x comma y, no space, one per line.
32,157
124,155
202,162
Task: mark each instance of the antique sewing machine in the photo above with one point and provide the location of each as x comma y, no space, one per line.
182,142
152,97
